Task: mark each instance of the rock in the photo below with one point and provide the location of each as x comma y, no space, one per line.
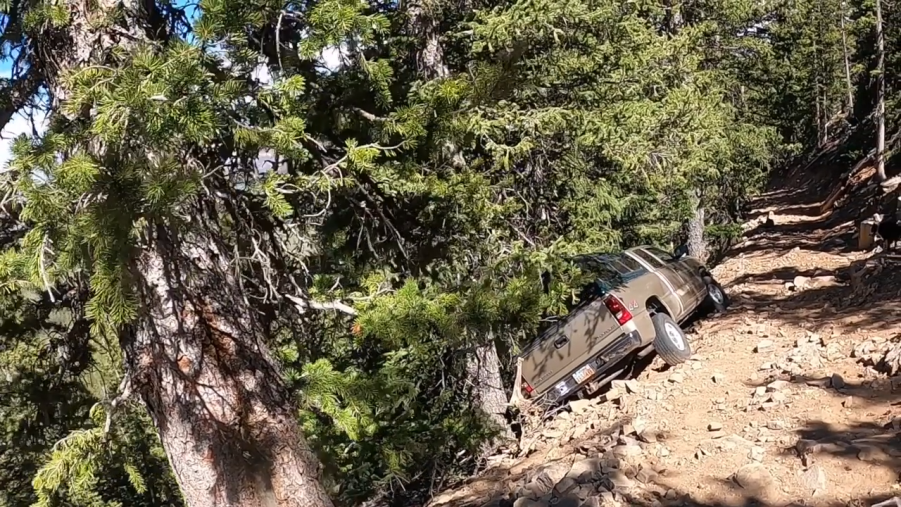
717,434
778,397
614,394
714,426
814,479
565,485
819,382
848,402
775,425
627,440
756,479
633,386
806,446
769,405
579,406
801,282
763,346
718,378
627,451
760,391
649,435
737,441
528,502
580,430
548,477
500,502
676,378
620,481
585,470
757,453
870,453
837,381
776,385
646,475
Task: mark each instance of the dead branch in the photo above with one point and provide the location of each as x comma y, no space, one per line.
303,303
125,391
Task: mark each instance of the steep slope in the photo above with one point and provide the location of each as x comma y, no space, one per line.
782,403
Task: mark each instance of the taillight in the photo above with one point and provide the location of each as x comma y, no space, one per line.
618,309
527,388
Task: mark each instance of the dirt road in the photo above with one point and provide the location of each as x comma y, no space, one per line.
775,408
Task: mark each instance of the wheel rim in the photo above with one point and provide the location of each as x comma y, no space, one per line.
674,335
715,294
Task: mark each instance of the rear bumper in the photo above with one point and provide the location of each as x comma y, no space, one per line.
618,350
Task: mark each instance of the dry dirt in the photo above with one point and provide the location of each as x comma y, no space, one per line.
776,407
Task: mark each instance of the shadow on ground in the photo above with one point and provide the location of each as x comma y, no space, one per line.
740,497
863,294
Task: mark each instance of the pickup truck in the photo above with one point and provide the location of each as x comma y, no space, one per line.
634,305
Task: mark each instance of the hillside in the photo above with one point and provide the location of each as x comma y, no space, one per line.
781,403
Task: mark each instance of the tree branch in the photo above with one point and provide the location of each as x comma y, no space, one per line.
125,391
16,94
303,303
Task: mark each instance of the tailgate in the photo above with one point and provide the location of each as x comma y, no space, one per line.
565,346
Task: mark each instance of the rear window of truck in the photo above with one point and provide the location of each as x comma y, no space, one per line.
650,259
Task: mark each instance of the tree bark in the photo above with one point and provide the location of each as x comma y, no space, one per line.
672,19
880,95
196,354
697,245
215,393
422,24
16,94
849,86
483,367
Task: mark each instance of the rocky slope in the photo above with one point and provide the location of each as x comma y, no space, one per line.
783,402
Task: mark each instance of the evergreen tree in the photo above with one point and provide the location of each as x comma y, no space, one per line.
293,267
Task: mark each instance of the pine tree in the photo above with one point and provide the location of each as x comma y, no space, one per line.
395,228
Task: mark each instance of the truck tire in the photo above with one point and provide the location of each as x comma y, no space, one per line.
670,342
716,300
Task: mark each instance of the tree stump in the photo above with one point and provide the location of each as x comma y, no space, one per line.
866,238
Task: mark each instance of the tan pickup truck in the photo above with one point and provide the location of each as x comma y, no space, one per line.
634,306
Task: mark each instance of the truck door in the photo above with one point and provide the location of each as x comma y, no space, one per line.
673,280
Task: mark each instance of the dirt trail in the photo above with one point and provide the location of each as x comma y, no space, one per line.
772,410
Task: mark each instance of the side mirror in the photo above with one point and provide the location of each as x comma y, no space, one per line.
681,251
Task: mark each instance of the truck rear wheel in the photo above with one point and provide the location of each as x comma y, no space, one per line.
669,340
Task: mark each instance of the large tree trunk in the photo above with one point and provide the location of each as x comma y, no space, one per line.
422,24
196,354
697,245
483,368
880,95
198,360
849,87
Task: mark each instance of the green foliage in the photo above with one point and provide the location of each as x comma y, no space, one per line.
431,206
